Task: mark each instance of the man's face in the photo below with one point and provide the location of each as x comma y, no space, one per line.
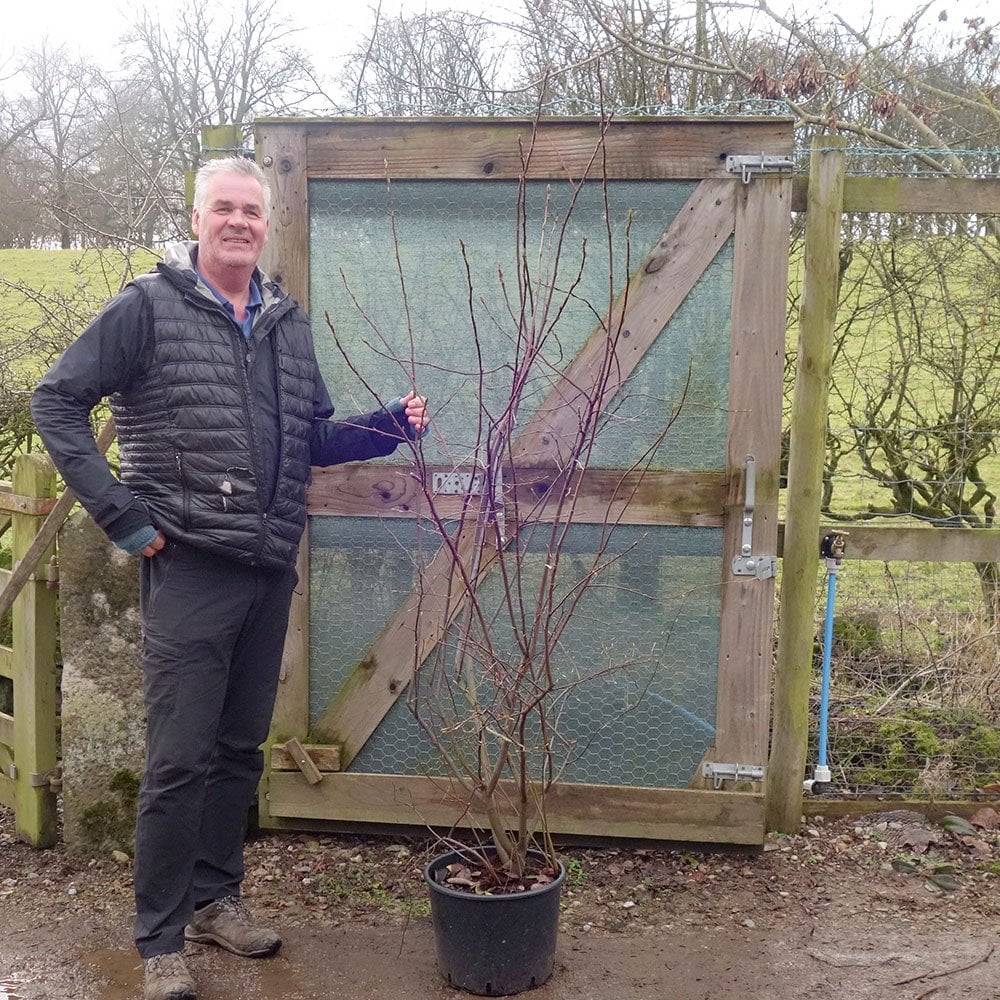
231,228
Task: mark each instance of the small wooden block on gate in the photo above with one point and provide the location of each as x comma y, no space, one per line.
311,760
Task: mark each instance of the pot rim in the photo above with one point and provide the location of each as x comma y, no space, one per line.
440,859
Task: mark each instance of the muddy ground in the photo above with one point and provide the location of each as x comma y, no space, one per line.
878,908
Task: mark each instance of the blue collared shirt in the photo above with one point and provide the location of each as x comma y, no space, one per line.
253,305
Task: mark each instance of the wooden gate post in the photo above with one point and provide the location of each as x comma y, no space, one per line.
810,405
34,666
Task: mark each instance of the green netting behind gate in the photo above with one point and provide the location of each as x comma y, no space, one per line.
420,282
655,609
457,279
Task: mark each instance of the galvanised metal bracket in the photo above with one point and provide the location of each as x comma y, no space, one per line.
457,483
732,772
747,166
747,564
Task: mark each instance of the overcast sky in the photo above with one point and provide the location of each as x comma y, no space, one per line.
331,27
91,26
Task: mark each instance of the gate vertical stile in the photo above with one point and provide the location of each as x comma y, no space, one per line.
756,363
283,156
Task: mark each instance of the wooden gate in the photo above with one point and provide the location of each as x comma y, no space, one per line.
29,773
367,215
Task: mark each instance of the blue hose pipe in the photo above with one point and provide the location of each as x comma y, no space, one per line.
832,551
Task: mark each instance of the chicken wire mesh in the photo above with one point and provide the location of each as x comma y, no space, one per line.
915,695
635,672
419,281
912,441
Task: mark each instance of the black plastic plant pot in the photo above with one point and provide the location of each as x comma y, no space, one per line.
494,945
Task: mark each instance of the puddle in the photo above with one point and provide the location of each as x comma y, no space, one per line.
121,969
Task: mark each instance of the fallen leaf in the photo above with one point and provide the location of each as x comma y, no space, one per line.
979,848
946,882
985,818
919,838
956,824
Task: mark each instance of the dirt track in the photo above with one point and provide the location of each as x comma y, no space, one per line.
823,915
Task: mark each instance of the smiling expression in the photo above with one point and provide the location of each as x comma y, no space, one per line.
231,228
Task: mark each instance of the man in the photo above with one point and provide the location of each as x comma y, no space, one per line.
220,410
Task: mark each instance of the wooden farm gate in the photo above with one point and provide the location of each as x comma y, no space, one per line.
387,230
28,713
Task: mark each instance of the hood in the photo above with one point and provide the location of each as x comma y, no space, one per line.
179,260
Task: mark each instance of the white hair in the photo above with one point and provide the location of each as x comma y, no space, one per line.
229,165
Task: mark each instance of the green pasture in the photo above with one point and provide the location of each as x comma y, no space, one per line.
48,296
96,274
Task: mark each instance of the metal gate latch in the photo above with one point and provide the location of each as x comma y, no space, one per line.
732,772
747,564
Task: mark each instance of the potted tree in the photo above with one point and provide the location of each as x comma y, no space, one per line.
514,581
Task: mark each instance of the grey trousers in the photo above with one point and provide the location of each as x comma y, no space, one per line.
213,633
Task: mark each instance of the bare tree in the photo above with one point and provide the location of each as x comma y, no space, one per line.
427,63
917,412
58,130
208,63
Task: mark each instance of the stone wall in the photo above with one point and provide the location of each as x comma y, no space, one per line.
103,719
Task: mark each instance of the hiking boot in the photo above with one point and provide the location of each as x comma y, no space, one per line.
228,923
167,978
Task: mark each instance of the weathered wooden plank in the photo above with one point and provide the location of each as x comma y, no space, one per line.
886,543
36,506
325,758
281,152
6,729
602,495
297,755
291,708
940,195
491,149
656,290
932,809
591,810
34,667
26,564
805,475
756,359
6,661
8,792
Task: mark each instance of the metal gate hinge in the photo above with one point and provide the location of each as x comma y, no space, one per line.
746,563
758,163
732,772
52,777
